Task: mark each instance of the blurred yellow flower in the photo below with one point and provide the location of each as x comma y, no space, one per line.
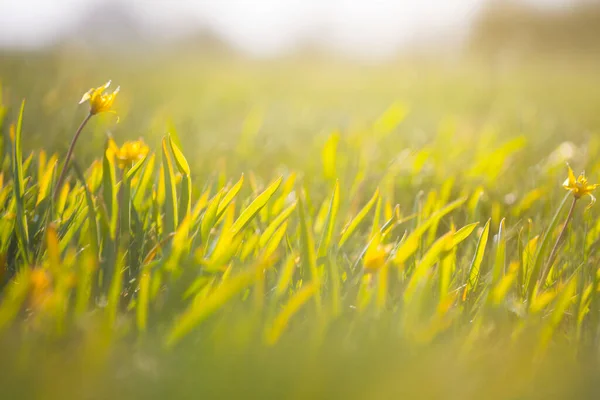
375,257
580,186
129,153
41,288
99,101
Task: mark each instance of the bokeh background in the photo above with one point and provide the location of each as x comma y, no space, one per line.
205,67
364,29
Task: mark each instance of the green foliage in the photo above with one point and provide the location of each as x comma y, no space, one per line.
386,249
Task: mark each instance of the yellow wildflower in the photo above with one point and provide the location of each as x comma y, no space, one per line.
375,259
580,186
41,288
99,101
376,254
129,153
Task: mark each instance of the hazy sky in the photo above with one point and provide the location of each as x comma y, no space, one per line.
370,27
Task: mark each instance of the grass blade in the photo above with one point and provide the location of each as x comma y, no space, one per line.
171,215
250,212
351,228
539,257
473,277
19,189
330,220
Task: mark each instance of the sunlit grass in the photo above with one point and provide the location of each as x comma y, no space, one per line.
412,251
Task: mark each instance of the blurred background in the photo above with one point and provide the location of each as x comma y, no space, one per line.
268,28
301,68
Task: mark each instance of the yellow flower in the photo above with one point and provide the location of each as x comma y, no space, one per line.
99,101
580,186
376,254
41,288
129,153
375,259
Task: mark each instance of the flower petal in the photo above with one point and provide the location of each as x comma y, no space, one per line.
572,180
592,201
86,96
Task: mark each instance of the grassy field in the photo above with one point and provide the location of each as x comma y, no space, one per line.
298,229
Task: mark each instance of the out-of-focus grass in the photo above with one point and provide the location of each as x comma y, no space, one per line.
208,99
399,255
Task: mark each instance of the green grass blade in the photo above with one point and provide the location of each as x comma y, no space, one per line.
272,245
14,297
286,275
463,233
109,189
197,312
114,293
294,304
142,187
19,188
229,196
566,297
185,201
351,228
308,255
210,217
539,257
180,160
45,181
171,214
473,276
500,260
259,202
422,270
91,210
410,245
330,221
275,224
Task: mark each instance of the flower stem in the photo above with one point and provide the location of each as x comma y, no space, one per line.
63,172
554,251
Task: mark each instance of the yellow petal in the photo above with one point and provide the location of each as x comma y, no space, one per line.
592,201
572,180
98,91
86,96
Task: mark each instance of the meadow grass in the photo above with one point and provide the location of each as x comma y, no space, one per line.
298,230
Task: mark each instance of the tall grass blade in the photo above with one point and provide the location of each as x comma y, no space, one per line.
539,257
330,220
171,212
353,224
257,204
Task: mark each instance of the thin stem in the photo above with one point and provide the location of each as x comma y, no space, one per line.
63,173
554,251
